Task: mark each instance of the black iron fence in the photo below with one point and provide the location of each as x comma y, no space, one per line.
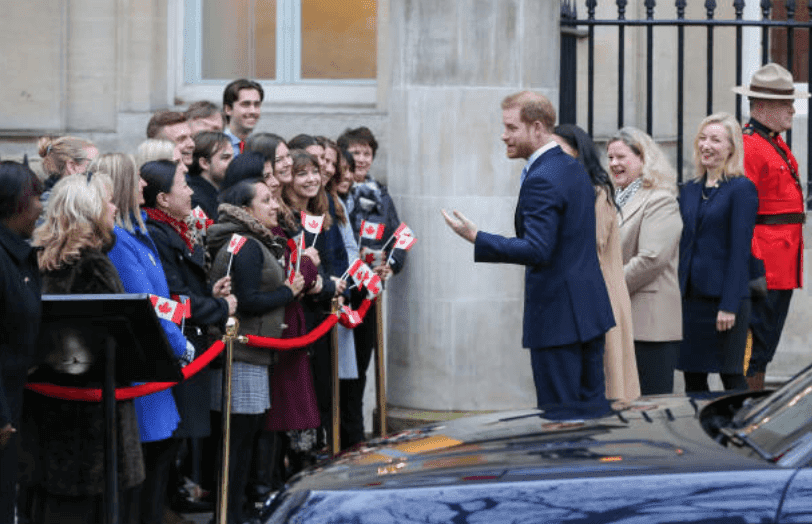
574,28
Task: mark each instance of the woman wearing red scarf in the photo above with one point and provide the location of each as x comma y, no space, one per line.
168,203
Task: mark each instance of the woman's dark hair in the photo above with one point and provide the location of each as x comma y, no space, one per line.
243,167
264,144
17,184
348,158
242,193
159,176
580,141
359,135
303,142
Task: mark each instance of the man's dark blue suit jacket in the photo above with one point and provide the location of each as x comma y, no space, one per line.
565,297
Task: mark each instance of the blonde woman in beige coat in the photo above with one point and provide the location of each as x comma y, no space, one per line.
650,229
619,362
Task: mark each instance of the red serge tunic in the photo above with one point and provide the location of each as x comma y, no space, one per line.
779,192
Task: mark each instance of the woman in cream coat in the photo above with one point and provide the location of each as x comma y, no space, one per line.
650,229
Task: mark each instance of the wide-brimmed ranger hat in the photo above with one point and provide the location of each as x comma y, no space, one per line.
772,82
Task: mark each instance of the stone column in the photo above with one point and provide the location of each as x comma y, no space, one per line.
454,338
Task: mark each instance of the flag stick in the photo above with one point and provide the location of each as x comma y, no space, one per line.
230,259
315,237
299,256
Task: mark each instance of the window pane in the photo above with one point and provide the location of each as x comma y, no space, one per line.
239,39
338,39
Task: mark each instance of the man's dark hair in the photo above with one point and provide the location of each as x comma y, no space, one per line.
206,144
161,119
359,135
232,92
17,184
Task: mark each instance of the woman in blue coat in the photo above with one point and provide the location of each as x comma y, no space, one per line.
718,210
139,266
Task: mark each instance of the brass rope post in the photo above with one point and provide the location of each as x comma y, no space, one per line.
335,441
232,327
380,368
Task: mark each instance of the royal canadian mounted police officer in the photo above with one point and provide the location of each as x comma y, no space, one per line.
778,235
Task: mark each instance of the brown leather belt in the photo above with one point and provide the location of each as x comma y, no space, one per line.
781,218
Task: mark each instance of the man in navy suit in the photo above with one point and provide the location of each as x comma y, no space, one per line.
566,305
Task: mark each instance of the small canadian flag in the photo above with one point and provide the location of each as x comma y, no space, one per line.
405,242
293,248
352,316
374,286
312,223
236,243
186,303
201,220
372,257
403,229
372,230
168,309
359,272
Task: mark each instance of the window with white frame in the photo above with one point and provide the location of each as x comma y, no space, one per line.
320,51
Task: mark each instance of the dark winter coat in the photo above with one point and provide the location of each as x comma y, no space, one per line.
186,275
66,438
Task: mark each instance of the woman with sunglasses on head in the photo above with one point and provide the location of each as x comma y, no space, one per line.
74,240
139,266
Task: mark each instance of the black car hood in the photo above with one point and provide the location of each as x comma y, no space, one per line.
650,436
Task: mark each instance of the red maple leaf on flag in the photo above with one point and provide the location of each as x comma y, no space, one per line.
165,308
370,230
314,224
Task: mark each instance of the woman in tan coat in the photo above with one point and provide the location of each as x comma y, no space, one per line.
619,363
650,228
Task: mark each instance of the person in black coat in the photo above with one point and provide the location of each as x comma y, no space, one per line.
167,202
20,207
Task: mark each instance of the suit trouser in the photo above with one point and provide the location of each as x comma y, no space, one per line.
570,374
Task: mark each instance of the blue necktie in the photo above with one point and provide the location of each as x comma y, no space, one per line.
524,175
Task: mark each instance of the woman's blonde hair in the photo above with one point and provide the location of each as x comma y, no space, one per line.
74,220
734,166
154,149
126,187
57,150
657,170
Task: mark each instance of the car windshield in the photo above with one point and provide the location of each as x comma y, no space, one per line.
779,421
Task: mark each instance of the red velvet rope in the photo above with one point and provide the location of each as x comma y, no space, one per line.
131,392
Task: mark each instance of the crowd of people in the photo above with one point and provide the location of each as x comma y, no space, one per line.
629,277
160,221
696,277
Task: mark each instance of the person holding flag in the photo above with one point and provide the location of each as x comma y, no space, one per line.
167,203
306,197
369,203
247,238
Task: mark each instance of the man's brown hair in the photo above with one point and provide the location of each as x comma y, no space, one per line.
161,119
532,107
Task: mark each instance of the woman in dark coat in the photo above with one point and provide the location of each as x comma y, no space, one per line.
20,206
75,237
718,210
167,202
